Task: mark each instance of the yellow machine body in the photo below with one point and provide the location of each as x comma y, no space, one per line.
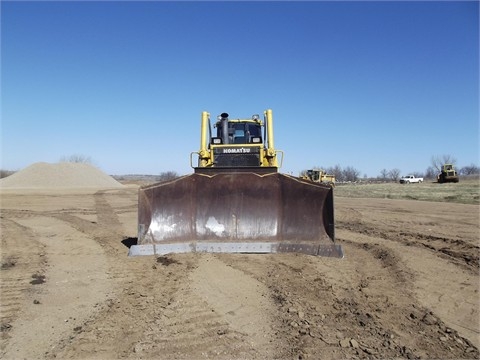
448,174
319,176
236,140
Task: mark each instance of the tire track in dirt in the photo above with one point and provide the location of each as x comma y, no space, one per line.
334,308
107,231
217,312
155,316
21,254
62,300
457,251
427,286
193,325
242,301
168,311
60,221
125,323
106,215
181,308
147,315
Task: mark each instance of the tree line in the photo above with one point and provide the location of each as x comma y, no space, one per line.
346,174
350,174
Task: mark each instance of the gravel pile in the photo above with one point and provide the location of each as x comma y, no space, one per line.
60,175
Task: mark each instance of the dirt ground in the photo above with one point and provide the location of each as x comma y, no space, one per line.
407,287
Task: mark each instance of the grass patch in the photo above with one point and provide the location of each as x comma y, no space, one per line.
464,192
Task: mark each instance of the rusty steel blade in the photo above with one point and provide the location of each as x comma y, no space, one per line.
241,211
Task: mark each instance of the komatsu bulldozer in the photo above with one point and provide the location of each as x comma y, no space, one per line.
236,201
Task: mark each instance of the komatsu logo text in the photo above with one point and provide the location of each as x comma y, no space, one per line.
236,150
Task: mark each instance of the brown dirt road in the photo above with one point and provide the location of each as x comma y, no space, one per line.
407,287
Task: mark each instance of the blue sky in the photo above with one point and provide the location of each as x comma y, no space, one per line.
372,85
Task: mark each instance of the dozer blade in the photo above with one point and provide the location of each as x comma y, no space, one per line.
243,212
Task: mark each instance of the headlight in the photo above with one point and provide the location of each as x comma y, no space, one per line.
256,140
255,117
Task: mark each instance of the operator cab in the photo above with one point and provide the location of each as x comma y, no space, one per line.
243,133
237,131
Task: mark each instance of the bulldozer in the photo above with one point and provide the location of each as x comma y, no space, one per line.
448,174
236,200
319,176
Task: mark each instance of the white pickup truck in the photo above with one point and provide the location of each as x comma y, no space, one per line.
410,179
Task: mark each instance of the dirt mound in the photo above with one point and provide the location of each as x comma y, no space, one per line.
59,175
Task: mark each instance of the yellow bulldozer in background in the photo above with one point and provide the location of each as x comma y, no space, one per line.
448,174
236,201
319,176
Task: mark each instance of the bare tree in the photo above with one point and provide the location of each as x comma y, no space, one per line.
337,171
469,170
167,175
438,161
431,173
351,174
384,174
5,173
77,158
394,174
